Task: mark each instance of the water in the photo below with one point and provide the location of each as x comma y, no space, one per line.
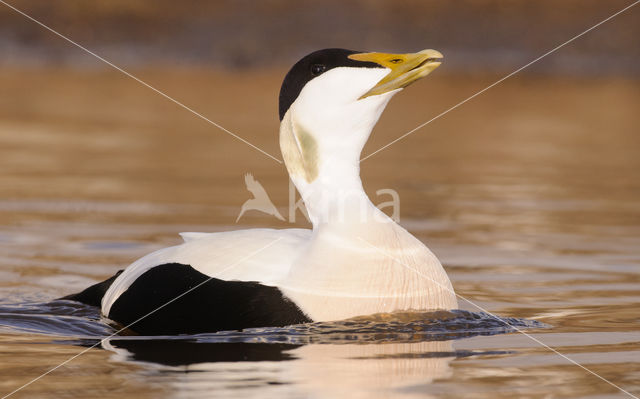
71,319
530,200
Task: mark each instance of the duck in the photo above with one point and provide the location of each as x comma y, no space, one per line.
354,261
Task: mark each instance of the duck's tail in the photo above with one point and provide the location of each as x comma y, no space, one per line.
93,295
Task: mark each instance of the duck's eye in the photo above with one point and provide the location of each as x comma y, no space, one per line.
395,60
317,69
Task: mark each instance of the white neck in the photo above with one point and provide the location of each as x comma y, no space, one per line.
327,172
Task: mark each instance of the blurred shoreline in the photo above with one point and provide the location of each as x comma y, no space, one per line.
487,36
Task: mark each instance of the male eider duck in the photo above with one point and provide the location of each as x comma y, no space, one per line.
355,261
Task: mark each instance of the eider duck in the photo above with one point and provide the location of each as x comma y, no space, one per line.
355,261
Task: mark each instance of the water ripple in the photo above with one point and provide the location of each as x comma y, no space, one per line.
85,324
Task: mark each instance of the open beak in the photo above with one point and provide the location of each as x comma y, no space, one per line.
405,68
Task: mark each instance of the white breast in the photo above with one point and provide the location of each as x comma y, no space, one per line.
360,269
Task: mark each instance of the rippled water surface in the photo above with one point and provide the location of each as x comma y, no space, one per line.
530,200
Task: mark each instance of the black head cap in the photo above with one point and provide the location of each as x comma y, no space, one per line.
311,66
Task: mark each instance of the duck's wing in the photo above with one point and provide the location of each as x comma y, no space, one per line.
193,235
260,255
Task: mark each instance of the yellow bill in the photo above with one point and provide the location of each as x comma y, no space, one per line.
405,68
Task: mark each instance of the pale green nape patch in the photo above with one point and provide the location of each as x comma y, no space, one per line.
299,149
309,150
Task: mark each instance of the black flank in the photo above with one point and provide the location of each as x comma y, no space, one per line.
215,305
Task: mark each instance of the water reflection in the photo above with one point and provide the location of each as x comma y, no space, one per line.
367,370
316,370
176,352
